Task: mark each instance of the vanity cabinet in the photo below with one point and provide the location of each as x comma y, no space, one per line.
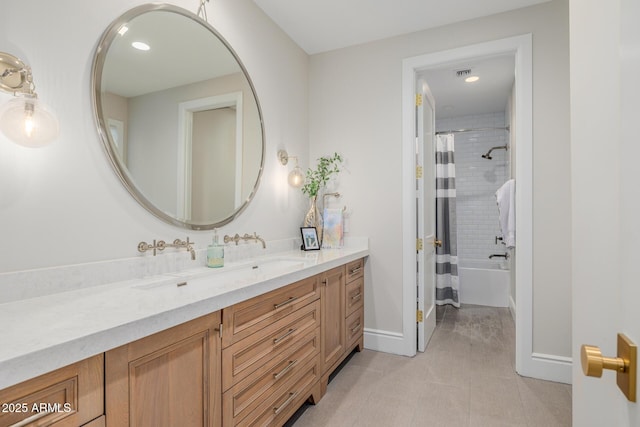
67,397
342,316
171,378
333,330
281,347
270,362
253,363
354,304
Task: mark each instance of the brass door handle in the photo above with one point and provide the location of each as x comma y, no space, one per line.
593,362
437,243
625,364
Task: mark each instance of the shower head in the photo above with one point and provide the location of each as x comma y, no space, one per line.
487,155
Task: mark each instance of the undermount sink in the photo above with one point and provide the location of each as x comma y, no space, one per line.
250,272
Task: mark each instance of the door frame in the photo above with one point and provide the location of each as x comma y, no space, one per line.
527,362
185,125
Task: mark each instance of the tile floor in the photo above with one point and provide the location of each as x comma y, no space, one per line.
465,378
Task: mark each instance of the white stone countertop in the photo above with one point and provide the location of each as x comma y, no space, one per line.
44,333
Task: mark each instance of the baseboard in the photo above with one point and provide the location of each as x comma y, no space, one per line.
512,307
549,367
385,341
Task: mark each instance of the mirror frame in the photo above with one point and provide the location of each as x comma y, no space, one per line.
111,151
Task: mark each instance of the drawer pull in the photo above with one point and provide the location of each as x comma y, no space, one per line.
282,304
356,296
286,369
355,270
355,328
280,408
289,332
31,419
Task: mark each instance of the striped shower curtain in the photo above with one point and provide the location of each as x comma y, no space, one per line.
446,227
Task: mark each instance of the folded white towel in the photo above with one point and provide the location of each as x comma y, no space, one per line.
505,197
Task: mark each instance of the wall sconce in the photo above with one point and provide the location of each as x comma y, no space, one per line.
25,120
296,176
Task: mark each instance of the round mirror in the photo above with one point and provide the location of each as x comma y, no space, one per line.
178,116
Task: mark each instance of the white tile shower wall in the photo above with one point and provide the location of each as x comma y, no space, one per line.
477,180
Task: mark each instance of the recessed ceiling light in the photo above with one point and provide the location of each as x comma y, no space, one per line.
472,79
140,46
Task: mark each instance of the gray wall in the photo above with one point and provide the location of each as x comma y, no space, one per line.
63,204
356,109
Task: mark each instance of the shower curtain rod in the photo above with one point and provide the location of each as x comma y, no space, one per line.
444,132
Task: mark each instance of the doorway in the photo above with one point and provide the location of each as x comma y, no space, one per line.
199,121
521,48
474,115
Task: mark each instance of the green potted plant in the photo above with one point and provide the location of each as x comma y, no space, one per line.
315,181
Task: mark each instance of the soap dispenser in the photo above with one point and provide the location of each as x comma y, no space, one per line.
215,252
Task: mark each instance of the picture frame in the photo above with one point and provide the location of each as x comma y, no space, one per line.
310,241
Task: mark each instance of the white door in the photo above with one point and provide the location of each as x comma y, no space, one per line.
605,146
425,215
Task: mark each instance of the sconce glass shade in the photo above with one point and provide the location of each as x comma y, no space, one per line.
29,122
296,177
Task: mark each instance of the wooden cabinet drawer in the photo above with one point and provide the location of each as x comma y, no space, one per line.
355,325
243,319
69,396
248,394
246,356
355,270
280,405
354,298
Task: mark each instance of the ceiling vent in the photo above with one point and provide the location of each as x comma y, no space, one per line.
463,73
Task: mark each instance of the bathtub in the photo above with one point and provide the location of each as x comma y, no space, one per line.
484,282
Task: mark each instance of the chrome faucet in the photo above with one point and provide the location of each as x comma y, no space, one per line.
237,238
161,244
